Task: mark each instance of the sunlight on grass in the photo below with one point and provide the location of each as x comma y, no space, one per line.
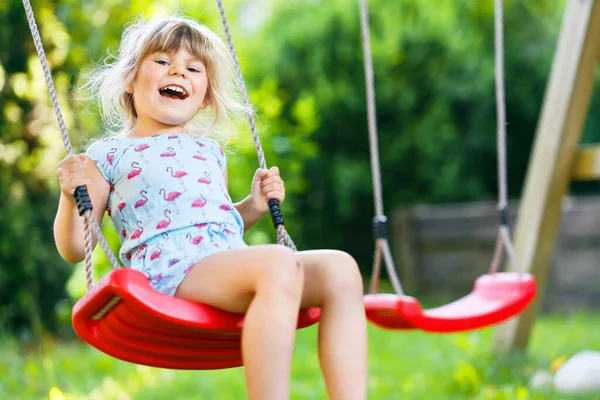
403,365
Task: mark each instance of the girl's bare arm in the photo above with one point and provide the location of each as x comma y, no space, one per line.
68,225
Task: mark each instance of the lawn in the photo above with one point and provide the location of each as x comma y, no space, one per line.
403,365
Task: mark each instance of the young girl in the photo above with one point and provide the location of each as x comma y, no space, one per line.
164,185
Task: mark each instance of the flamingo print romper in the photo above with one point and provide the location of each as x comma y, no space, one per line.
169,203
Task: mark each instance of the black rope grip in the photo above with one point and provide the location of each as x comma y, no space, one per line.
82,199
380,227
276,215
503,214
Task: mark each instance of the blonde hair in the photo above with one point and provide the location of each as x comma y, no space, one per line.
109,82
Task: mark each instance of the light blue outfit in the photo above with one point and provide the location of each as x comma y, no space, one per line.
169,202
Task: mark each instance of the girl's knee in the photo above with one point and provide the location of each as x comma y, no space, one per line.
281,272
344,276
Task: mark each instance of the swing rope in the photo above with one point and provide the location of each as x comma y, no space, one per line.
81,194
503,239
380,220
282,236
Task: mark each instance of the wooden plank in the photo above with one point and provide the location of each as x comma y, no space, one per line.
587,164
558,135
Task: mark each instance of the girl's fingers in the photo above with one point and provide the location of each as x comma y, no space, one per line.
273,188
271,180
275,195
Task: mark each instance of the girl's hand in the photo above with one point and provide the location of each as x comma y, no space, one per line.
266,185
71,174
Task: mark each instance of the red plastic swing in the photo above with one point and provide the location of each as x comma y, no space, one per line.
125,318
495,298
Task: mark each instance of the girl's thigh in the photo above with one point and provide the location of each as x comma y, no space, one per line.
229,280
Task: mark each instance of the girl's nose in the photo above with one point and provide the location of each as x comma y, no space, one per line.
177,69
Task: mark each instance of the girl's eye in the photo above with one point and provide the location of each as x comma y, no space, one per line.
192,69
161,62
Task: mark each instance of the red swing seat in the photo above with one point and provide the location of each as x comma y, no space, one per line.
495,298
124,317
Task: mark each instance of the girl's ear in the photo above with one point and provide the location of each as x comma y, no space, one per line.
125,78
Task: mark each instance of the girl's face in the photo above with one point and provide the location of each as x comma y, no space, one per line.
168,91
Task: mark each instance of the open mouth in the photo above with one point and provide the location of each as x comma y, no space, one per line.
173,92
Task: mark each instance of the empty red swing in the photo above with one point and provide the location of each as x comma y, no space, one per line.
496,296
123,316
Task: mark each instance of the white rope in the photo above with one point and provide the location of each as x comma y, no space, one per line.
283,238
89,222
381,244
503,238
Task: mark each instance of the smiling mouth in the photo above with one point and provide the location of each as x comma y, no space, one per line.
173,92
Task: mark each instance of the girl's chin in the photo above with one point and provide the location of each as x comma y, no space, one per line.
172,119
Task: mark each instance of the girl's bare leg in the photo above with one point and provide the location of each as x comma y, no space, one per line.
266,283
333,282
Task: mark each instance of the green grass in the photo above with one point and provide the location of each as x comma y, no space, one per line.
403,365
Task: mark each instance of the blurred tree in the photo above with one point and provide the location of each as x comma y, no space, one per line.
434,77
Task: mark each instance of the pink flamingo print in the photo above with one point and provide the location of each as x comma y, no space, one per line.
199,143
176,137
172,262
156,254
200,203
110,156
178,175
206,180
165,222
123,231
108,211
121,206
194,240
140,251
201,225
140,149
157,278
171,196
225,207
138,232
142,202
199,156
137,171
171,153
185,271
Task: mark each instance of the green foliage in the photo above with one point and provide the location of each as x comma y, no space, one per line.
434,77
402,365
